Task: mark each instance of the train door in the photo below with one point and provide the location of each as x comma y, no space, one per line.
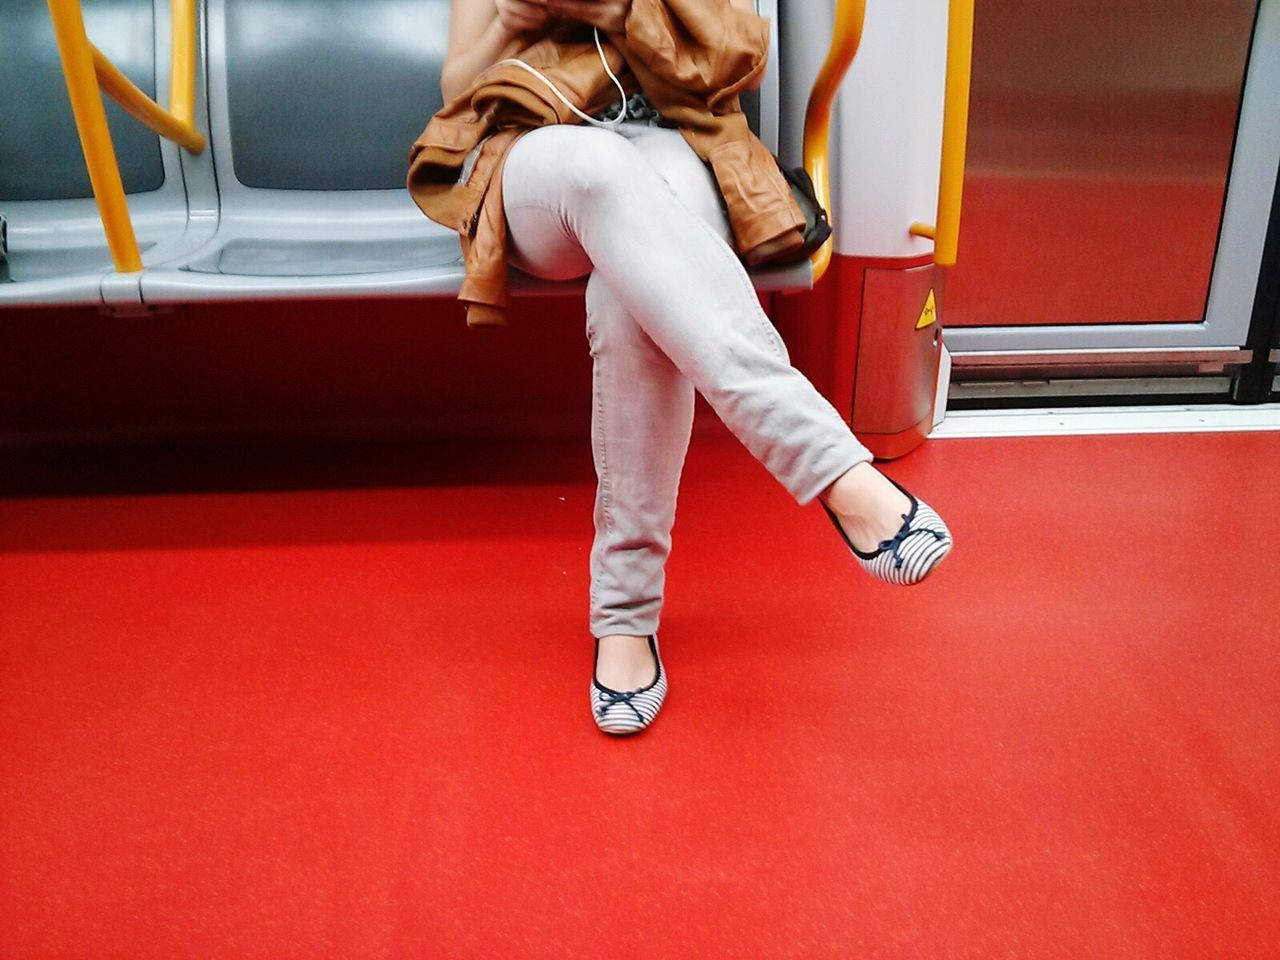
1121,163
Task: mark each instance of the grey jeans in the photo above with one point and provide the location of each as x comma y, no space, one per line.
670,308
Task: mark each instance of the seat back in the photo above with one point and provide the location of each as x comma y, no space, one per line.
320,94
311,107
329,94
57,250
40,156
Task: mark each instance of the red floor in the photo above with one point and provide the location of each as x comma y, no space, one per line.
298,708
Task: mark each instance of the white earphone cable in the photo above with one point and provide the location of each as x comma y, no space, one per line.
554,89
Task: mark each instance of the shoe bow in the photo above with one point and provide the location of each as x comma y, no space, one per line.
609,697
895,542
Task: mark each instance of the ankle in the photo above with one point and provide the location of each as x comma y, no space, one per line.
869,505
625,661
853,493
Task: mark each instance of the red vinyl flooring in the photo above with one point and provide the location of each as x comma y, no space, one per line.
335,705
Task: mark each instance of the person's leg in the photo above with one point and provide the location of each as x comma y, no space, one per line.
687,289
569,190
682,283
642,420
870,506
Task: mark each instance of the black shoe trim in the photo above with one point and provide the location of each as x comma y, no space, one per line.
657,663
907,518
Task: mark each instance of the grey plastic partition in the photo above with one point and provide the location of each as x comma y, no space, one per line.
313,107
57,248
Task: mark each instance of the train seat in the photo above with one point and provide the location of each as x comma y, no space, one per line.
310,110
57,253
313,107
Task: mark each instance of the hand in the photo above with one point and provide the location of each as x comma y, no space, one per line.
609,15
521,15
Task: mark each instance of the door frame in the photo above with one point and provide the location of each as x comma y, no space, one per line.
1216,341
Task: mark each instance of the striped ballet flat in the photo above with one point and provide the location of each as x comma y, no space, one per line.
912,553
628,711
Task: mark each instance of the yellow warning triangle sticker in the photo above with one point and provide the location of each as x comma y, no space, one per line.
930,312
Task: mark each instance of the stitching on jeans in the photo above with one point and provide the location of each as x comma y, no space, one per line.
550,208
605,499
772,334
530,203
762,319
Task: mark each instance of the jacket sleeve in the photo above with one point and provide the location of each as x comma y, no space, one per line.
708,47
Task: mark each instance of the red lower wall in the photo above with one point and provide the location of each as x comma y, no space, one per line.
351,368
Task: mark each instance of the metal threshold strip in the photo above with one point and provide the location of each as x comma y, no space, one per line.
1049,421
1206,359
1057,387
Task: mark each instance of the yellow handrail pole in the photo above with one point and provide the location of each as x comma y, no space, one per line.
95,137
182,64
955,132
845,39
141,107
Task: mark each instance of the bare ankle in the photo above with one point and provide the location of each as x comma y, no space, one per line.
849,493
625,661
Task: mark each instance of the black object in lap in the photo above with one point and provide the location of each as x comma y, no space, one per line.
816,225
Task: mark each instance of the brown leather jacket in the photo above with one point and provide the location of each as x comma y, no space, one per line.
691,57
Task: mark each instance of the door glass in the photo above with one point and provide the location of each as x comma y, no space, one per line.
1100,136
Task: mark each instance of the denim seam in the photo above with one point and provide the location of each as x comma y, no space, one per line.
550,208
772,334
762,318
530,203
605,500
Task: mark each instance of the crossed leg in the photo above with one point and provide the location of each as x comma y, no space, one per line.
670,309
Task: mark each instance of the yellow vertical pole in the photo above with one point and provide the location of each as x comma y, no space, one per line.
182,63
955,130
95,137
